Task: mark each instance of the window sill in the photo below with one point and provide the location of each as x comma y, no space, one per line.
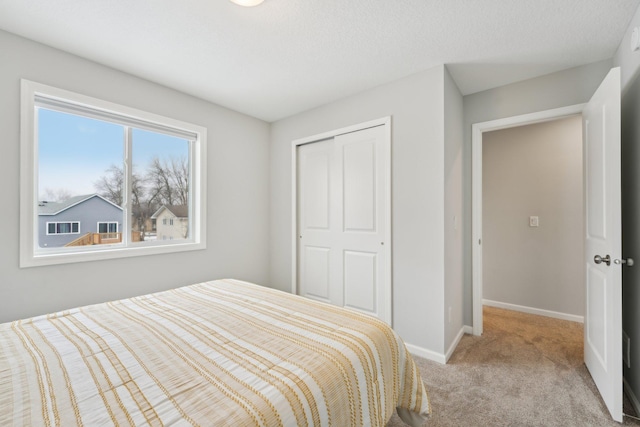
107,252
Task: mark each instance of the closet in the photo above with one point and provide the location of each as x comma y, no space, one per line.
343,236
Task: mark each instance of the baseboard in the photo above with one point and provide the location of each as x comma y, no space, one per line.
437,357
427,354
531,310
631,395
454,344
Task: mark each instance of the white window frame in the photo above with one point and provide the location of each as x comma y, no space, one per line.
31,255
62,222
108,223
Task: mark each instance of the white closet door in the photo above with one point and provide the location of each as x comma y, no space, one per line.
341,217
317,224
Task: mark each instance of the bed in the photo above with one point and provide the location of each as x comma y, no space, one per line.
219,353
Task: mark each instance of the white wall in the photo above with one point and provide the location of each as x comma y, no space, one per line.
416,104
561,89
453,244
534,170
629,63
237,182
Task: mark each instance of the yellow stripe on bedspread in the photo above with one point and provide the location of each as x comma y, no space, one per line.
221,353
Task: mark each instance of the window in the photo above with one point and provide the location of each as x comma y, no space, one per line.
107,227
72,227
109,165
171,221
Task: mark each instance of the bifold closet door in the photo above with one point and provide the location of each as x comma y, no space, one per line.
341,220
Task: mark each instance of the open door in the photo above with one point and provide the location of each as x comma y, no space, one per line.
603,242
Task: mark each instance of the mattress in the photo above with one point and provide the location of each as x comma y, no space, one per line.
219,353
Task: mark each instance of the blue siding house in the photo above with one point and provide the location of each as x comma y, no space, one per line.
60,223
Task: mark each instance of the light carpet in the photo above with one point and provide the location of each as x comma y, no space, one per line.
525,370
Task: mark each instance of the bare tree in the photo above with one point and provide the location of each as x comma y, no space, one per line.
168,181
55,194
110,185
180,178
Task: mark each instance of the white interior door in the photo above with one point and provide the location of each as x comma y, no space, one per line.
342,221
603,315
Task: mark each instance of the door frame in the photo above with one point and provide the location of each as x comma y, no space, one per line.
383,121
477,129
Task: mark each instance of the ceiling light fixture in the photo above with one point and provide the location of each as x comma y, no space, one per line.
247,3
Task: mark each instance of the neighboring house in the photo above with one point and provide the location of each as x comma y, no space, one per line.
60,223
172,222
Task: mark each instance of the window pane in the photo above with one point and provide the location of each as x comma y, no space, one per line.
52,228
79,176
160,186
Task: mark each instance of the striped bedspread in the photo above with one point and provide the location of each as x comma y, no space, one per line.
221,353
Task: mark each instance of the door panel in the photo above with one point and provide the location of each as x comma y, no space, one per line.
595,331
315,181
360,286
359,186
595,158
316,273
603,238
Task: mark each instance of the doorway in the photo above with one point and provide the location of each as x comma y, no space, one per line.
533,219
477,197
602,232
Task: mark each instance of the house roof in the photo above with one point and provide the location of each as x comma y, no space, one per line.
54,208
178,211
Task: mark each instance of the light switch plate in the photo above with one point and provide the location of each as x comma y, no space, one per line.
534,221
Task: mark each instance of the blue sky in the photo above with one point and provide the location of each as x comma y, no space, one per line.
74,151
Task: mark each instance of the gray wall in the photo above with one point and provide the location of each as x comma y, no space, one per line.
629,63
237,205
534,170
631,229
561,89
416,104
453,244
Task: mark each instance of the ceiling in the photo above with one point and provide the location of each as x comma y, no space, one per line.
287,56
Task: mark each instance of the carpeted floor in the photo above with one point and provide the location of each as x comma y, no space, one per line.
525,370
